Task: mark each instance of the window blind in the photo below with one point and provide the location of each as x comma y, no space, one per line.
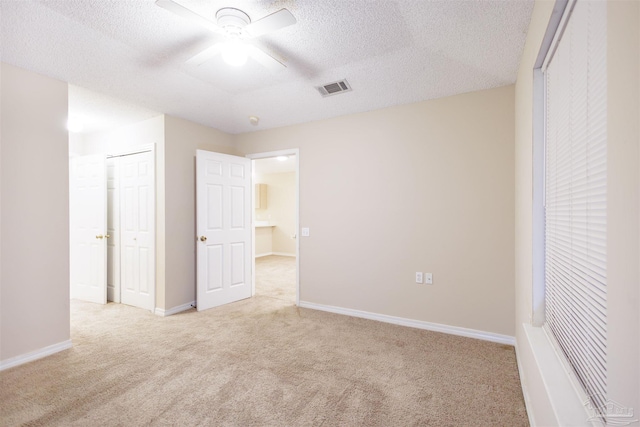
576,196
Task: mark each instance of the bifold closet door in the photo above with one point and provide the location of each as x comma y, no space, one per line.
137,230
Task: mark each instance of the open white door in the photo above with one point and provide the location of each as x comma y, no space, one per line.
88,228
223,222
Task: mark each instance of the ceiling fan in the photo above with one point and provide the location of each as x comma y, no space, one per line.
238,28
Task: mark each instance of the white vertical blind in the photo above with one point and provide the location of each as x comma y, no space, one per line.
576,197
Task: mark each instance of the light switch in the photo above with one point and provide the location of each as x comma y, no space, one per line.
305,232
428,278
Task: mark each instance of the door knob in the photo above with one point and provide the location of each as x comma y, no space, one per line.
99,236
107,235
203,238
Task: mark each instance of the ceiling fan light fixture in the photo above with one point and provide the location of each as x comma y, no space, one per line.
236,25
234,53
232,20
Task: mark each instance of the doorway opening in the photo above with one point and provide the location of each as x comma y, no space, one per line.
275,219
112,228
112,209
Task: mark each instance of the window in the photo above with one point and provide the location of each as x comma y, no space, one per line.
575,194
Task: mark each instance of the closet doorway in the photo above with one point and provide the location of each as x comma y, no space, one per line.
112,223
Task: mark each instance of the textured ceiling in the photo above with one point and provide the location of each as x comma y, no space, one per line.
391,52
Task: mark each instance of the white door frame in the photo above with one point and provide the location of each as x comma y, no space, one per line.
266,155
128,152
114,231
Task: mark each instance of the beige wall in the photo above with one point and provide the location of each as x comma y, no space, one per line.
34,287
77,146
150,131
623,205
264,241
280,211
623,47
182,139
420,187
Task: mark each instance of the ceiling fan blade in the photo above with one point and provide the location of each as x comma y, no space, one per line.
275,21
264,58
205,55
184,12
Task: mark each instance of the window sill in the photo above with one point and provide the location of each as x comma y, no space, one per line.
567,403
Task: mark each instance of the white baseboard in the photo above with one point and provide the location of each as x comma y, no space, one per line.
34,355
283,254
275,253
419,324
174,310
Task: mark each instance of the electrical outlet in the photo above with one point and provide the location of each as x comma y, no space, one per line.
418,277
305,232
428,278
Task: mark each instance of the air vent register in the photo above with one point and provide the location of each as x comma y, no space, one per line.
334,88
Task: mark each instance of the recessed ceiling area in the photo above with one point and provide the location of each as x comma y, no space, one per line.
391,52
275,165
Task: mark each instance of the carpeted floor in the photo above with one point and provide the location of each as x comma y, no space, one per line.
276,277
260,362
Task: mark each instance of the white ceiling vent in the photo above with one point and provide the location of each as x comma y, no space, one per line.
334,88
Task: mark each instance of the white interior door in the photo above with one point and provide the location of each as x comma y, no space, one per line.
137,230
88,228
223,210
113,228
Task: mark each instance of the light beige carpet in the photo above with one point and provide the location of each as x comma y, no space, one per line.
260,362
276,277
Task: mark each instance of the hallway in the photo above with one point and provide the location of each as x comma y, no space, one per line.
276,277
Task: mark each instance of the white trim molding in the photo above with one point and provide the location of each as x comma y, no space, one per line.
419,324
174,310
35,355
263,255
275,253
283,254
